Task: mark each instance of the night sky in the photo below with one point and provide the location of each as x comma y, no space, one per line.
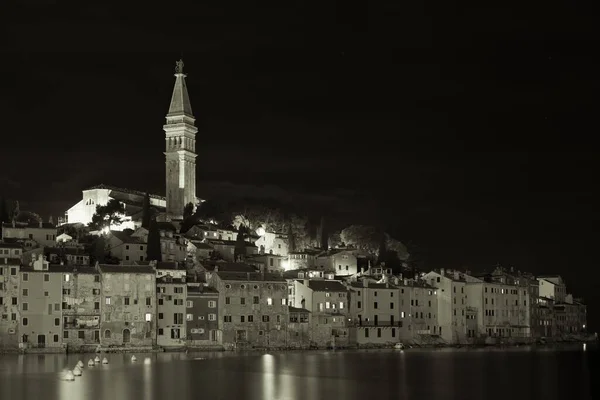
464,128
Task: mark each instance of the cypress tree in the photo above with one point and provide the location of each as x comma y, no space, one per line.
153,252
240,244
146,212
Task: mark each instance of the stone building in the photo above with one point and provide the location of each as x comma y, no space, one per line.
202,316
327,301
171,293
126,248
10,294
374,313
298,328
452,306
41,305
343,262
43,233
128,308
67,255
81,299
253,308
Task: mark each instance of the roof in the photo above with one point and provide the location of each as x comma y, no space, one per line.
201,289
12,245
201,245
249,276
126,269
160,264
326,285
128,191
167,279
66,250
298,310
180,100
62,269
33,225
228,266
10,261
125,238
372,285
221,242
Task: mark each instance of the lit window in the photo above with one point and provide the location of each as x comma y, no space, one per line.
107,300
341,305
148,317
67,277
270,301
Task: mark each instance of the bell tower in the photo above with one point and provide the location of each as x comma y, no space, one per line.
180,151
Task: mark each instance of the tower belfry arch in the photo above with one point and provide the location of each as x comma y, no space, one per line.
180,148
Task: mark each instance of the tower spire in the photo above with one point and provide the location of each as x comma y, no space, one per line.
180,100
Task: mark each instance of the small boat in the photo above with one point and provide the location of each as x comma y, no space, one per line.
399,346
80,364
105,360
133,358
97,360
77,371
91,363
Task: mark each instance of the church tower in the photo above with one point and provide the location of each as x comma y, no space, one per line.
180,138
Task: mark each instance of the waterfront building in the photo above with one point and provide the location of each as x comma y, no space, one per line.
342,262
374,312
452,311
171,293
81,297
253,308
202,316
10,296
41,305
128,307
298,329
553,287
327,301
546,317
67,255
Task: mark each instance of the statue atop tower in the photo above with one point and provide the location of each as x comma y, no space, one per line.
180,151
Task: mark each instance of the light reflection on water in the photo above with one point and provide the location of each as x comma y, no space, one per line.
458,374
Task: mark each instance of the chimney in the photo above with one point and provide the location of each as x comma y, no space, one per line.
456,275
442,272
365,283
41,223
216,268
362,270
396,281
405,282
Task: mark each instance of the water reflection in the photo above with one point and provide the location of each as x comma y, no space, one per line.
412,374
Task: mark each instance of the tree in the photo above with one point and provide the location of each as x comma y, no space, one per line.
210,210
291,238
188,210
335,240
146,212
108,215
299,232
153,252
4,217
362,237
100,249
28,217
323,235
240,244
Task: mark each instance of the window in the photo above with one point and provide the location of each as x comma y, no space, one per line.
46,278
56,321
160,315
212,304
250,318
148,317
126,300
81,334
256,300
378,332
161,331
178,290
189,304
242,300
96,305
148,301
13,271
55,338
66,334
25,276
359,305
242,318
283,302
14,301
227,300
375,305
107,334
212,317
265,318
107,300
25,321
269,301
392,305
25,306
25,292
366,332
226,318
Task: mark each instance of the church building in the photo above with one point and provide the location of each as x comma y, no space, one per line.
180,161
